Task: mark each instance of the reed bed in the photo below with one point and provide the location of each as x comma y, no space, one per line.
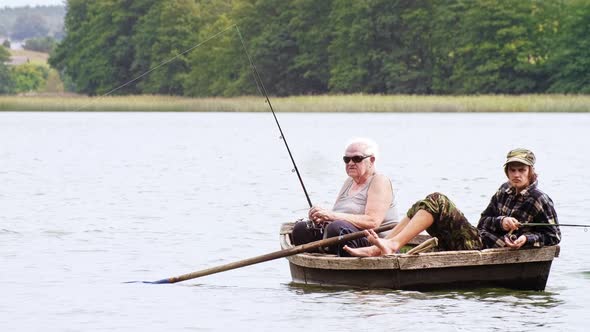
323,103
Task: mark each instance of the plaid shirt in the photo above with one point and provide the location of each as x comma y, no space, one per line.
530,205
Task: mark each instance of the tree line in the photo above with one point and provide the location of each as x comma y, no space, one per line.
328,46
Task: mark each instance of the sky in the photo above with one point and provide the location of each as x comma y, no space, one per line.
32,3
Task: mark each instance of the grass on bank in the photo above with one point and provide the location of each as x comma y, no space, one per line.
39,58
324,103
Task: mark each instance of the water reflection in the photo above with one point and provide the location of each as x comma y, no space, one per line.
583,274
473,310
514,298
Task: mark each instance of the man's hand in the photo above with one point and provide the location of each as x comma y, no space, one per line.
510,224
515,244
319,215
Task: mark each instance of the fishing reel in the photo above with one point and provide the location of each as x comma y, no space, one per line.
318,230
313,226
310,225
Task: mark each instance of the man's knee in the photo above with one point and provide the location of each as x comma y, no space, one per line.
437,197
433,203
335,228
302,233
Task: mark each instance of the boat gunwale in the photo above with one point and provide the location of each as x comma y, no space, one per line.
426,260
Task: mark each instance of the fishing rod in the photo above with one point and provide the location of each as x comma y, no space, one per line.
536,224
547,224
262,90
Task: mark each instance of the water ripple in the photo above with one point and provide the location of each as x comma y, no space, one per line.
148,195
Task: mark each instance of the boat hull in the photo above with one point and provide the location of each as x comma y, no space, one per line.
525,276
524,269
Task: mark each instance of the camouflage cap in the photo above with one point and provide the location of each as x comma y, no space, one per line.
523,156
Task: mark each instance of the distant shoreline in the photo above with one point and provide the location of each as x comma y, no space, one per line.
322,103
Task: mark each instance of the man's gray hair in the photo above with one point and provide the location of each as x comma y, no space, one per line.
370,148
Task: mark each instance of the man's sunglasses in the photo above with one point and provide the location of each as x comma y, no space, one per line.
355,159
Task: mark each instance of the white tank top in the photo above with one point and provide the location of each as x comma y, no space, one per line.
357,203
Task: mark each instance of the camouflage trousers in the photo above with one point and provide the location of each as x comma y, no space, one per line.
450,226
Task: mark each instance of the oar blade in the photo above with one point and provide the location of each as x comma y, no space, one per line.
157,282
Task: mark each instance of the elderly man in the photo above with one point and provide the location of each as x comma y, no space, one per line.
366,200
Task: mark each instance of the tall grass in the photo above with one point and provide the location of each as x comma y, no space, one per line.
324,103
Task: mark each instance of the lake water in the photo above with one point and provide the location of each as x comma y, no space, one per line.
90,200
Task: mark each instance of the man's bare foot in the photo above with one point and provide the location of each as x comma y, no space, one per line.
385,246
363,252
379,246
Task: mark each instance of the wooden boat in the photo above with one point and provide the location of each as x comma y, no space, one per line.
523,269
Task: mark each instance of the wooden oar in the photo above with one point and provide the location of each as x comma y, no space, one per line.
426,245
331,241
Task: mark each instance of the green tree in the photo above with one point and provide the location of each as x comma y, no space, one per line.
499,50
348,51
287,42
402,51
312,32
272,44
4,55
97,53
569,65
447,39
79,57
166,31
218,66
381,46
40,44
29,77
6,82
